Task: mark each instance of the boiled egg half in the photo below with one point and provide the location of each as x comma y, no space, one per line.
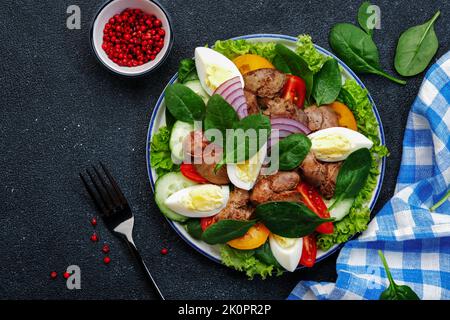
287,251
213,69
337,143
199,201
244,175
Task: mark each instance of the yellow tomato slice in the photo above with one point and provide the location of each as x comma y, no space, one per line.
255,237
250,62
346,117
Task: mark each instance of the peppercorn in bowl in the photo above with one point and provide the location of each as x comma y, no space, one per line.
131,37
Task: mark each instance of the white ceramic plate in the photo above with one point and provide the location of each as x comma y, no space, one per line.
158,120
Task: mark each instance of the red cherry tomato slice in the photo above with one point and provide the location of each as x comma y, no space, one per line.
295,90
309,251
206,222
314,202
188,170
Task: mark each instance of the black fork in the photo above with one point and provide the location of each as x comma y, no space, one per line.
115,211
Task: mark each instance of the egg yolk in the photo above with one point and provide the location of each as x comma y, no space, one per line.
284,242
249,170
203,199
331,146
216,75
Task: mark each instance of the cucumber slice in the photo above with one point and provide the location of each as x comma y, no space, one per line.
167,185
341,209
180,131
196,86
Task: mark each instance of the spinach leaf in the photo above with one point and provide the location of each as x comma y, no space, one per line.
394,291
194,228
416,47
353,175
292,151
220,114
184,104
170,119
264,254
364,15
240,146
327,83
253,121
187,71
225,230
288,61
280,63
357,49
288,219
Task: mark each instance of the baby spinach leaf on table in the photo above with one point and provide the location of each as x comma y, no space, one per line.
194,228
225,230
220,114
357,49
288,61
416,47
364,15
292,150
187,71
288,219
394,291
184,104
327,83
353,175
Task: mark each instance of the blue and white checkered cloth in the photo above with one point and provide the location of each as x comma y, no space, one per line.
415,241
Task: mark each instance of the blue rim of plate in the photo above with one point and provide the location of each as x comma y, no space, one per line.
275,37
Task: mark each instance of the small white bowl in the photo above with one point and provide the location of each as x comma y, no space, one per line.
108,10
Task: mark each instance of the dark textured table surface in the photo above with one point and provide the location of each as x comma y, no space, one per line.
61,111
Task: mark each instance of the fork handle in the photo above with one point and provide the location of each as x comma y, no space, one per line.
142,264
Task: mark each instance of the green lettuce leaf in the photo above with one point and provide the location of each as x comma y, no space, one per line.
234,48
160,155
305,48
245,260
309,53
187,71
356,221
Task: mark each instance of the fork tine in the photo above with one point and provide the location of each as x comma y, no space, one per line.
114,184
94,196
106,202
109,192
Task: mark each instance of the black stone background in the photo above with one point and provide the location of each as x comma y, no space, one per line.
62,111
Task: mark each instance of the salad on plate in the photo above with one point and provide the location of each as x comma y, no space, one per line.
268,155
